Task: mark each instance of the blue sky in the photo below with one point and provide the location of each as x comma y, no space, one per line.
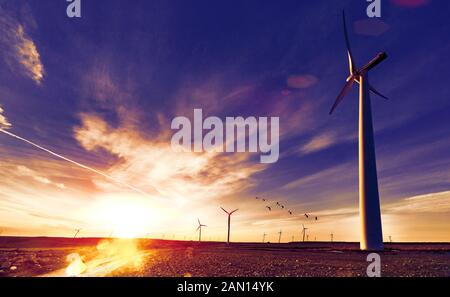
103,89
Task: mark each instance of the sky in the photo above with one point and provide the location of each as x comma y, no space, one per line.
103,89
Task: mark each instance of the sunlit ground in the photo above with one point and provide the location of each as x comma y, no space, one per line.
89,257
108,256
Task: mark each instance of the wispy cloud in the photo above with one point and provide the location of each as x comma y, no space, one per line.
27,172
4,123
317,143
301,81
19,50
428,203
333,175
152,164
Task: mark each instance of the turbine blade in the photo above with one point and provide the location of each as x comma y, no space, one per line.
372,89
199,221
224,210
198,227
347,43
342,94
234,211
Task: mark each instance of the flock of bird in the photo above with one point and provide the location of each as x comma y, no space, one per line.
271,205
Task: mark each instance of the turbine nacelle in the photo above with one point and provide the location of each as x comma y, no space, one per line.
355,73
380,57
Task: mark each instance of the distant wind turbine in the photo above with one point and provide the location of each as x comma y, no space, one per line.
304,232
76,232
279,236
199,228
369,200
264,237
331,236
229,219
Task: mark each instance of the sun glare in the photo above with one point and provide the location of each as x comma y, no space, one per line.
125,217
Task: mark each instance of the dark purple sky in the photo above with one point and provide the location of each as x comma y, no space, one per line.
136,65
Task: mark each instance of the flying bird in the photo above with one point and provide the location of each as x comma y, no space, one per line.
269,208
306,215
317,218
290,212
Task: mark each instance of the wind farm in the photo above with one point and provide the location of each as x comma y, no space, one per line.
197,140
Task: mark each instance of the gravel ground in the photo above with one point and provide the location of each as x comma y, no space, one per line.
173,258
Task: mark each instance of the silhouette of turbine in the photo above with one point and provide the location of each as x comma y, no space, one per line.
229,219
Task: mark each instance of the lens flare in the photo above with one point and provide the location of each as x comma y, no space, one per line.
108,257
76,266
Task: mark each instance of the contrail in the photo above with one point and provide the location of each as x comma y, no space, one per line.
76,163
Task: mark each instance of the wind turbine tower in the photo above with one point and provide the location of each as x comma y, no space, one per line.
304,232
229,221
264,237
369,200
279,236
76,232
199,228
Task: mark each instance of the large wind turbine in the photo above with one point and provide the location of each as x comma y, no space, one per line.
369,201
229,219
199,228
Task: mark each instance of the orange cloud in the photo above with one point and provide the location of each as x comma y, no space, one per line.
4,124
152,165
19,50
